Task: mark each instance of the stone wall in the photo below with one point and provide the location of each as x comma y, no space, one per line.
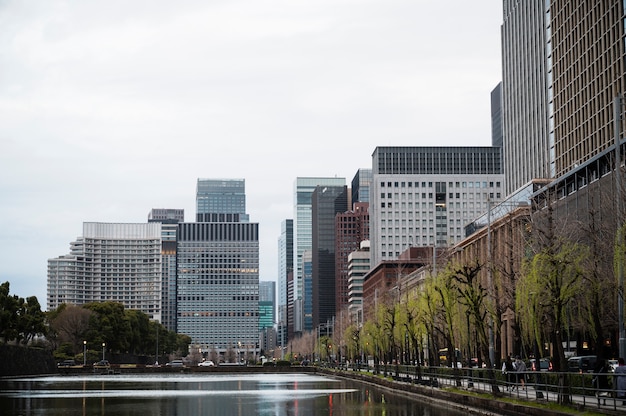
21,361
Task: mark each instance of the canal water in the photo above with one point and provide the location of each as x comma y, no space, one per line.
202,394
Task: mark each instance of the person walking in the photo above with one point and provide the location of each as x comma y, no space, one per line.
620,380
600,379
508,369
520,368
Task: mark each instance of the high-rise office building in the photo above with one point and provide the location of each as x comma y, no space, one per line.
303,191
361,185
528,136
267,304
587,54
169,219
496,116
218,284
423,196
303,314
110,262
218,270
352,228
221,200
326,203
166,214
285,268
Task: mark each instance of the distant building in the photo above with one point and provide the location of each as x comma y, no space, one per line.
218,284
384,283
326,203
285,269
358,267
169,219
267,305
351,229
302,238
218,270
423,196
221,200
116,262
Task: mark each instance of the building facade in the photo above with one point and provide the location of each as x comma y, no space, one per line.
218,284
423,196
169,219
302,228
267,304
285,269
326,202
358,267
110,262
351,229
528,135
221,200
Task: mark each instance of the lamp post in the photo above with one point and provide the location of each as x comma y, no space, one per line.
620,241
84,353
103,348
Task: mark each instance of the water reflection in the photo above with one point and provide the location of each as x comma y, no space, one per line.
178,394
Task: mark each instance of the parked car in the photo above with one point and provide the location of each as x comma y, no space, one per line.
175,363
102,364
67,363
544,364
207,363
582,364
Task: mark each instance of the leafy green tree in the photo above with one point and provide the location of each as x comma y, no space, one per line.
545,295
33,320
8,314
108,325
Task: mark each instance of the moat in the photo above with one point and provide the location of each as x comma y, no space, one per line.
197,394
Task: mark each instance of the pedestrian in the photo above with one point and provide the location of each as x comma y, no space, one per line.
620,380
508,369
600,379
520,368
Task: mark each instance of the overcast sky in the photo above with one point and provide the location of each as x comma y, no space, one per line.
111,108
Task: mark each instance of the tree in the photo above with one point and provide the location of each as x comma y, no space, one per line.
474,296
553,279
71,323
108,325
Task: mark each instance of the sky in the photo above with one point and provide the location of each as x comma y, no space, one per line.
111,108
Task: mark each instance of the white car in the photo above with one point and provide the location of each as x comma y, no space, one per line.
207,363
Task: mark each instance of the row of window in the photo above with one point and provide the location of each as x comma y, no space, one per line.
459,184
218,314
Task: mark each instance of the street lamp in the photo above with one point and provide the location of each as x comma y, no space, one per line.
84,353
103,347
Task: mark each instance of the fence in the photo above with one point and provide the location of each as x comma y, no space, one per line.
587,390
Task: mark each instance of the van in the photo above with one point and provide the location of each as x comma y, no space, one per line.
582,364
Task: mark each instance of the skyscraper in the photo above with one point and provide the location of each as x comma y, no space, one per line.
285,269
221,200
326,203
352,228
169,219
110,262
267,304
218,270
588,56
303,191
528,138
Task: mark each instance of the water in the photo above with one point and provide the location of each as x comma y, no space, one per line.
197,394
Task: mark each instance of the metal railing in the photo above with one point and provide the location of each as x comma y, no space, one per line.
587,390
